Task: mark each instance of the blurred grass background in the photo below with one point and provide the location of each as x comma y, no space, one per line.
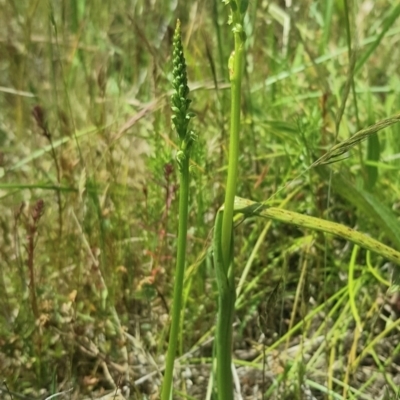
85,128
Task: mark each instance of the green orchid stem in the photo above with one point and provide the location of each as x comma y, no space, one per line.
226,310
179,275
236,83
225,276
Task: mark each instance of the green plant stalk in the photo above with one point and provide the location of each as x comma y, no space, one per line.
179,275
223,234
236,84
180,119
226,308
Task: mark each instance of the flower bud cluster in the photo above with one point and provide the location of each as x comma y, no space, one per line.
180,101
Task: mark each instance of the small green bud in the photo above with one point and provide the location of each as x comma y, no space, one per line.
238,28
180,158
230,64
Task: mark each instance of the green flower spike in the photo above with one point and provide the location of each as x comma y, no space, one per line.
180,100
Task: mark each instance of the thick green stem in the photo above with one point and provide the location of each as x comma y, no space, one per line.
223,247
236,83
226,310
179,275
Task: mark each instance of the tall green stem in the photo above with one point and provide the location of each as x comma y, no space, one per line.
181,118
179,275
226,305
223,233
236,83
226,308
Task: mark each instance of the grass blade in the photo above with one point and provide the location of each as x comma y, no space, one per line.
250,208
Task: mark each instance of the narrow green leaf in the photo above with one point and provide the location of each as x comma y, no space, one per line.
318,224
353,287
